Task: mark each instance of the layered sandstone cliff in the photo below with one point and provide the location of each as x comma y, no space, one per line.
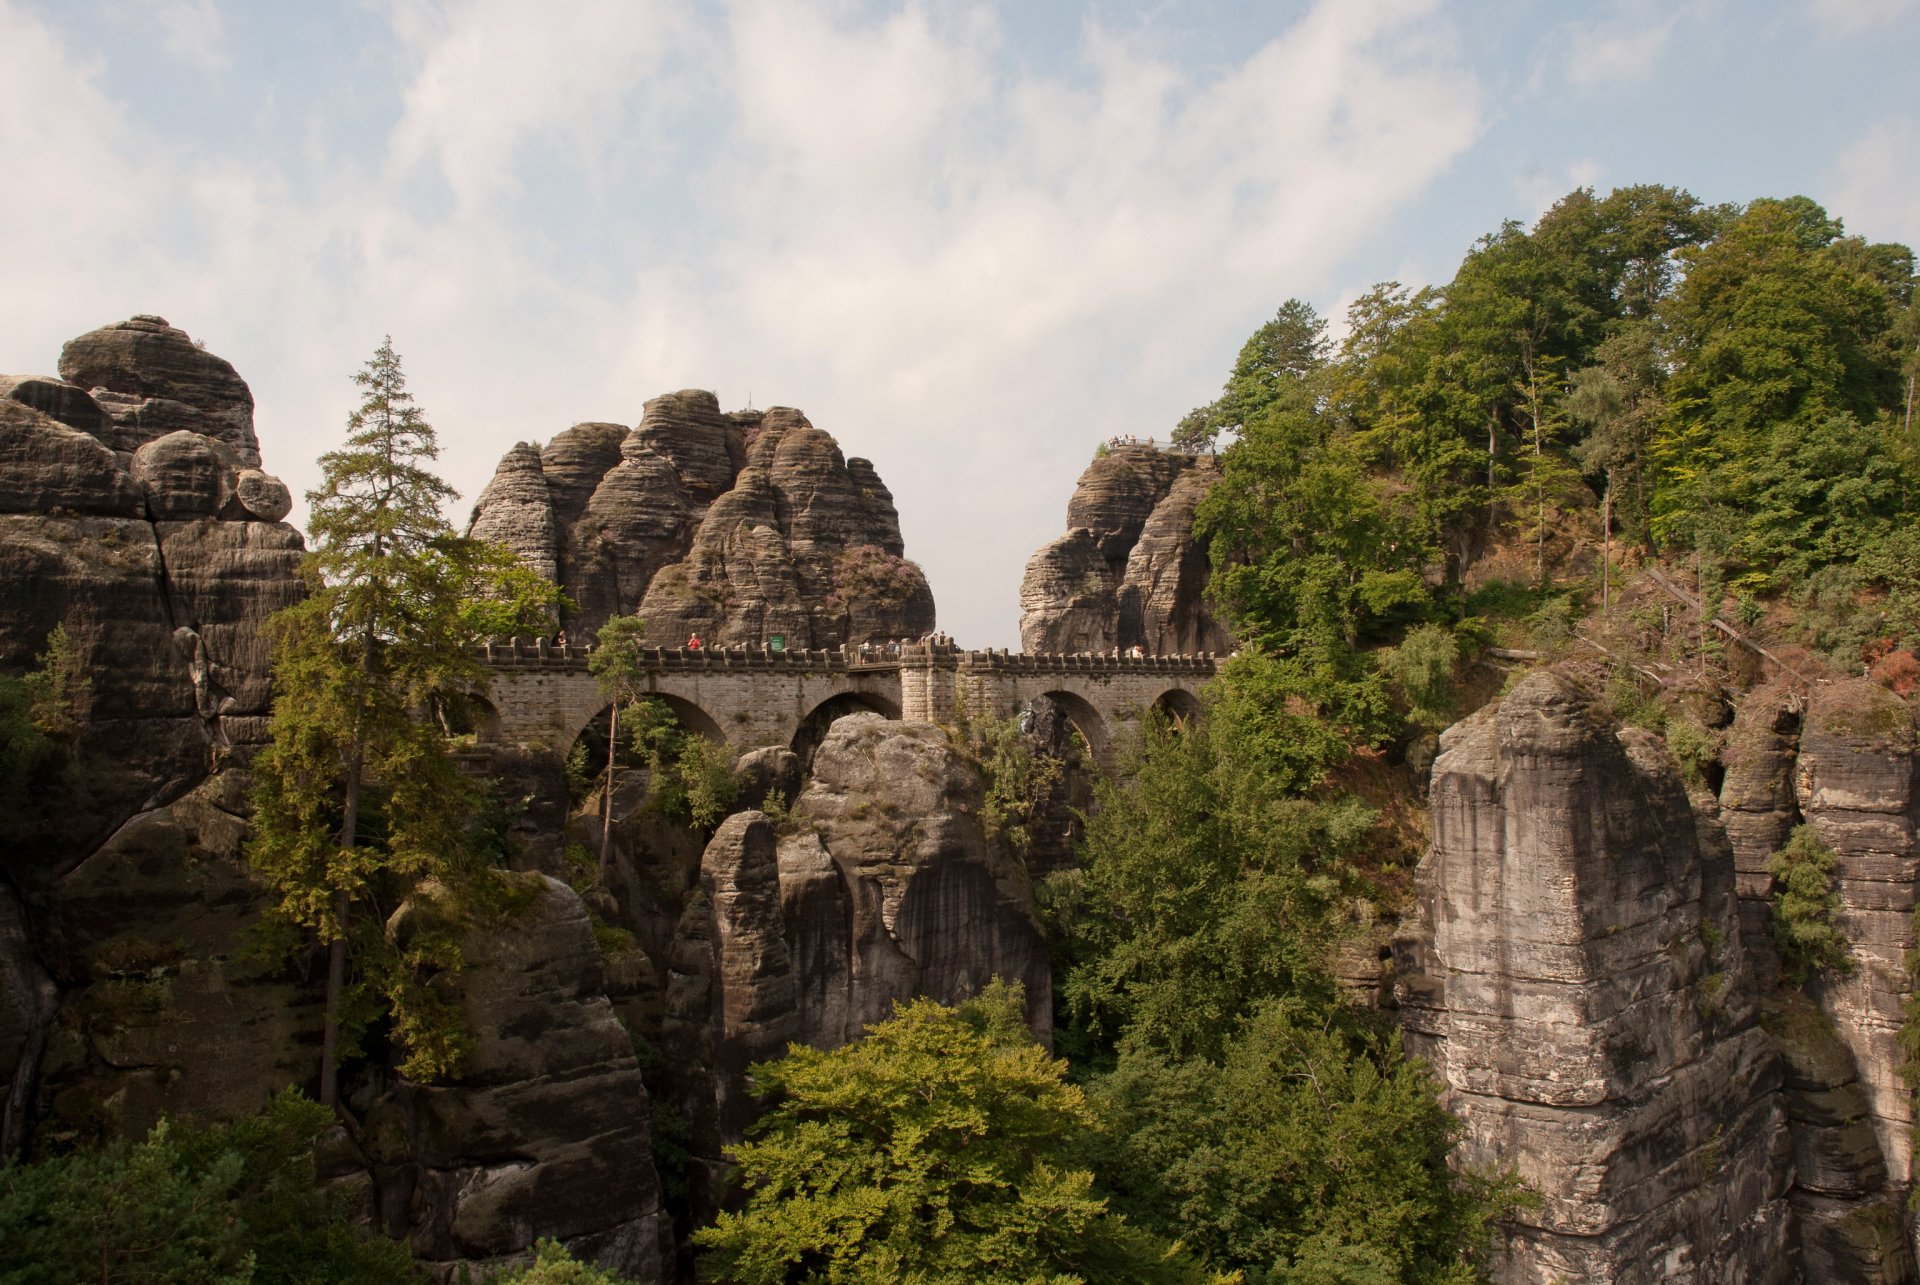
134,517
735,527
1128,572
1595,981
878,884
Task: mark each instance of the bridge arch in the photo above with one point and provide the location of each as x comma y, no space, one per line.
813,728
1086,720
1180,706
690,716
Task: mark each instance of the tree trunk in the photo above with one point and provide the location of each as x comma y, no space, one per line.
337,949
606,792
1606,547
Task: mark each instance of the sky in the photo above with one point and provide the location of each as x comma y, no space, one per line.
971,240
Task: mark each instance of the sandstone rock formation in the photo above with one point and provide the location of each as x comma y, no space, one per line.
735,527
883,888
134,516
546,1131
1857,780
1128,572
1588,1003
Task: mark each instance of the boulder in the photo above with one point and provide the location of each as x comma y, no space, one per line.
186,475
57,400
262,495
48,468
158,380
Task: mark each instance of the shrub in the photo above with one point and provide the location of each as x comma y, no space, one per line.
1804,907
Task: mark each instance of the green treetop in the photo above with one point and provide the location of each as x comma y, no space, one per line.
937,1149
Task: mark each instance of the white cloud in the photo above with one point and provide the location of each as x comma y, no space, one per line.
494,78
191,31
1623,45
1850,17
1874,187
973,276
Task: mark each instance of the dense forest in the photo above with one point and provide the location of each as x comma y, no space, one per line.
1471,471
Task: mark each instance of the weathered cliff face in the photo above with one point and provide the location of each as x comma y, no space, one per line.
882,886
1588,1003
733,527
134,515
546,1133
1857,781
1128,572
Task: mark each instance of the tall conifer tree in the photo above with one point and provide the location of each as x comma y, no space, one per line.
357,798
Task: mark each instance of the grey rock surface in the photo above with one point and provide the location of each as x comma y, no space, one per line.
1595,1016
735,527
156,380
1128,572
546,1132
1857,780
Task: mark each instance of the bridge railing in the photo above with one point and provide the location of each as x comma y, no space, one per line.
543,653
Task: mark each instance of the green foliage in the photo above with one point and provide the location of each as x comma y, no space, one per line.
1279,363
553,1265
936,1149
1312,1149
1805,907
1019,779
232,1204
58,687
1205,891
1248,1111
707,781
1422,669
693,780
1694,748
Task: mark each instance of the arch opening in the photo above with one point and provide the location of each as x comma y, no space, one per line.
1085,720
814,727
467,714
587,756
1180,707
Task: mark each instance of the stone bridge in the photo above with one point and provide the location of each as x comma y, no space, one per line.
751,697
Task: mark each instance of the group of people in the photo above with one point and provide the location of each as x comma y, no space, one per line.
1128,439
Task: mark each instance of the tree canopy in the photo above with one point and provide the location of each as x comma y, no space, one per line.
937,1149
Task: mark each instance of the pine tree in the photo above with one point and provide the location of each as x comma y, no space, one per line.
357,798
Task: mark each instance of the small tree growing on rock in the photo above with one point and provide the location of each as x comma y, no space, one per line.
1805,906
615,663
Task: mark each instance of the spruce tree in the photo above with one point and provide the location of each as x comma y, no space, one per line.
357,798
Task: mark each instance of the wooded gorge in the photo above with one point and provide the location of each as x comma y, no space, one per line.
1632,474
